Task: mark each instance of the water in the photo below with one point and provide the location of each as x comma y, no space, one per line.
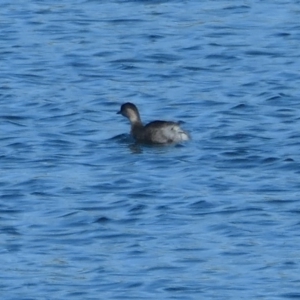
87,214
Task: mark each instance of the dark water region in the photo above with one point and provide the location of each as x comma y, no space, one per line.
85,213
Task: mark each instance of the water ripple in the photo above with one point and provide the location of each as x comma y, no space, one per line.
86,212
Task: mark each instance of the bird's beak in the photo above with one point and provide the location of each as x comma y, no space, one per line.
119,112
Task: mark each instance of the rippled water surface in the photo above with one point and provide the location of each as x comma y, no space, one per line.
85,213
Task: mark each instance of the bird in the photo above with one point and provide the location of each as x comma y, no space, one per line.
155,132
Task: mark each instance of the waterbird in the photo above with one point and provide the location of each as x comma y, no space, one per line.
155,132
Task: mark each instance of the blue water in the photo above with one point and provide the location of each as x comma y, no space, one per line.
87,214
